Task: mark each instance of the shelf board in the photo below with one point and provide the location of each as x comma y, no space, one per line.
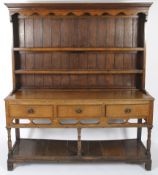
35,150
78,72
79,49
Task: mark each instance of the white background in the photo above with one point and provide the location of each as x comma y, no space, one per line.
78,169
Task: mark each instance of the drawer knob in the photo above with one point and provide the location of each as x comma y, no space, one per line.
78,111
30,111
127,110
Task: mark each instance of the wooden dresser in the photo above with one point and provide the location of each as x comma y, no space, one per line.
79,65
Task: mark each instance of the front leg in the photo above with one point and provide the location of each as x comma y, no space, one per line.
149,162
9,164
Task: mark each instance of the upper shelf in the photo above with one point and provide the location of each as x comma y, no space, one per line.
38,49
81,72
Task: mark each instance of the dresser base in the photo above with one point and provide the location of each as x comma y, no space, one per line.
40,150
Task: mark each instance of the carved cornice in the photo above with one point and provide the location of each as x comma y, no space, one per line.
76,12
78,9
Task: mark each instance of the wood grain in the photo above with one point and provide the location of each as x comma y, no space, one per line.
78,65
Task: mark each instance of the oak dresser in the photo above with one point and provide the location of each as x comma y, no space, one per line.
79,65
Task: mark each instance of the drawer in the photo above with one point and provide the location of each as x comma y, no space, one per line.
69,111
127,110
31,111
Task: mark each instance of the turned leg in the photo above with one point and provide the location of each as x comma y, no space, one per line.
17,130
9,140
149,162
139,130
9,164
79,142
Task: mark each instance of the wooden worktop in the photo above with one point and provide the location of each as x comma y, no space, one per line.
79,94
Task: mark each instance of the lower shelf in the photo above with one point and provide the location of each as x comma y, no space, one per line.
35,150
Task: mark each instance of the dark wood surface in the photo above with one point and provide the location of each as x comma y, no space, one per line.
111,47
54,150
78,65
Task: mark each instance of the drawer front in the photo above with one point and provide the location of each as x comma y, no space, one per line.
127,110
31,111
69,111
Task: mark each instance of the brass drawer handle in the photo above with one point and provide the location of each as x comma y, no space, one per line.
30,111
127,110
78,111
